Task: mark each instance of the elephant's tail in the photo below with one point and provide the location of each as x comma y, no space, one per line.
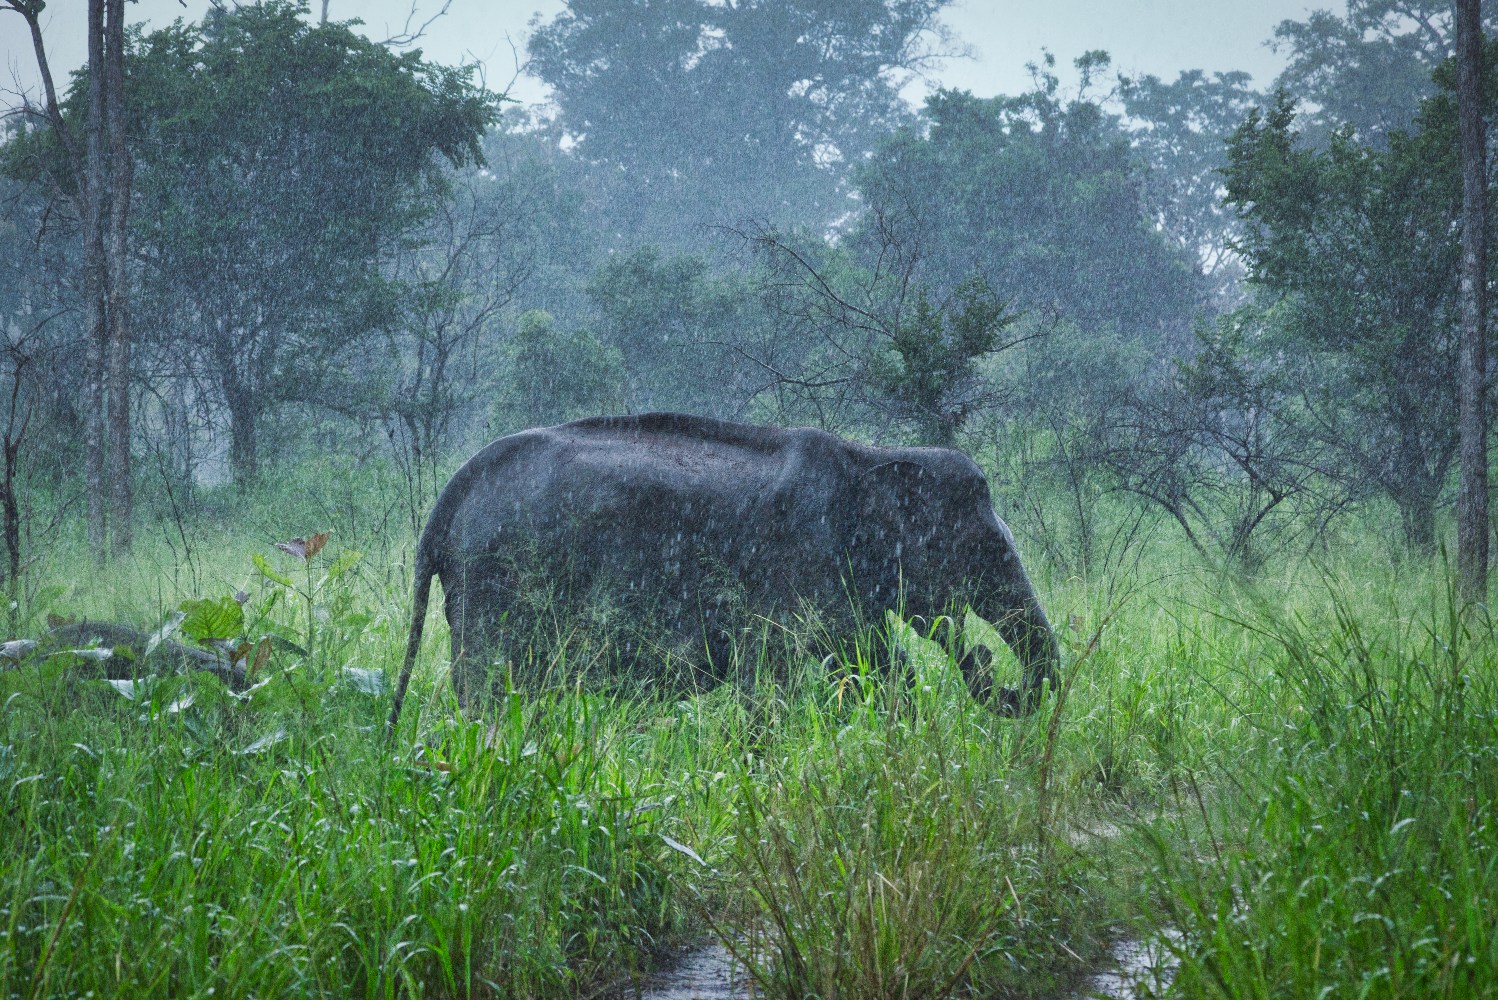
424,573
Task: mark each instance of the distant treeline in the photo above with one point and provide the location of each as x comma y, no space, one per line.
1137,301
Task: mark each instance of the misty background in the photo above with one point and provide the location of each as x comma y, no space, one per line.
1166,270
1145,36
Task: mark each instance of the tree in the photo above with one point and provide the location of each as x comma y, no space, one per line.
115,180
459,288
39,377
1369,69
1039,195
1361,241
879,345
698,112
485,247
680,326
1219,445
1051,442
557,241
554,376
94,177
39,313
928,373
1472,500
1180,129
278,164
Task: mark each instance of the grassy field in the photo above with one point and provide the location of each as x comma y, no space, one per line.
1291,780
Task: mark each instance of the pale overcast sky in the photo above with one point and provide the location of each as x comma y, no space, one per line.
1143,36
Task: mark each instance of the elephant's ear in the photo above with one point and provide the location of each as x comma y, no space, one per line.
892,493
891,499
889,508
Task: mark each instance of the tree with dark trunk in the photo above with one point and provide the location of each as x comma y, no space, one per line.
1472,498
1356,247
276,166
119,169
96,177
96,305
280,165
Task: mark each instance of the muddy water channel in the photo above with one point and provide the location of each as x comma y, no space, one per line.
704,972
708,972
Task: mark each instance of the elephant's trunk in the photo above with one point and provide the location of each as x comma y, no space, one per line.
1016,613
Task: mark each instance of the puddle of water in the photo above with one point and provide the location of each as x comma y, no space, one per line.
1140,969
702,972
709,972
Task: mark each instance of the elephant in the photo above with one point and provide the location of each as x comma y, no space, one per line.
701,526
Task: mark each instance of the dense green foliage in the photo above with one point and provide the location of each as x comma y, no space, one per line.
676,323
1038,195
1369,68
275,162
1363,244
698,114
557,376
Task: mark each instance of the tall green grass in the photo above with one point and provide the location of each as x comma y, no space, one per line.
149,854
1291,781
894,854
1352,850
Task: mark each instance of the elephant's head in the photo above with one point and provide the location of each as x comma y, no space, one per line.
931,528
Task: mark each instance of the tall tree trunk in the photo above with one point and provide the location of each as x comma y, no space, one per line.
95,281
103,294
1472,498
121,499
1417,512
10,506
244,458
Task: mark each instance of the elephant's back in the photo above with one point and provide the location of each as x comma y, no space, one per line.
657,494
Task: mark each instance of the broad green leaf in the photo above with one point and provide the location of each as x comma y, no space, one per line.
212,619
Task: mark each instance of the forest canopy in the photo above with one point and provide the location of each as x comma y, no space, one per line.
1229,310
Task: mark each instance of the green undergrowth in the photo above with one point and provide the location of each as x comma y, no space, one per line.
1290,782
1352,850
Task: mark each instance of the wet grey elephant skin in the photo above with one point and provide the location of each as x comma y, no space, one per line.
704,525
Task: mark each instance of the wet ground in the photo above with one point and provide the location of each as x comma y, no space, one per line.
1139,969
708,972
704,972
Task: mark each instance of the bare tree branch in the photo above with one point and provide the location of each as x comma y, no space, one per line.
408,35
30,11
